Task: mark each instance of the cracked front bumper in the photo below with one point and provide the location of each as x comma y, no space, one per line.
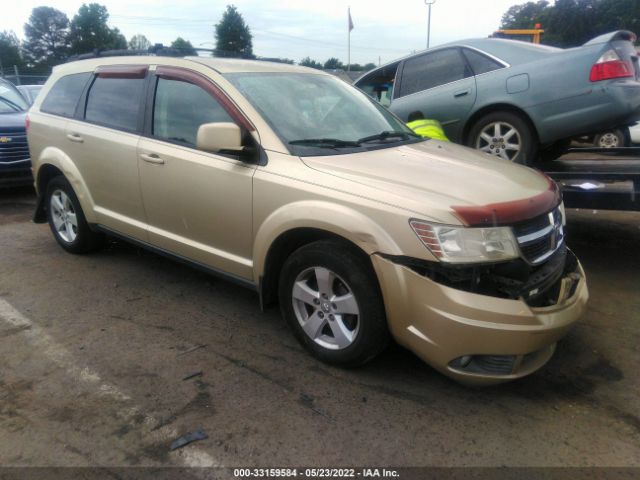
442,325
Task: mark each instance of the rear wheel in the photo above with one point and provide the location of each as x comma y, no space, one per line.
506,135
611,139
66,219
330,298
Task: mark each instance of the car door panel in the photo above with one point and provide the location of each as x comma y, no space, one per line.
103,141
441,86
198,204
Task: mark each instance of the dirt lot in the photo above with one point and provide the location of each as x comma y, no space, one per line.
95,350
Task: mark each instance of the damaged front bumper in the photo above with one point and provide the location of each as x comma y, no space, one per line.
482,325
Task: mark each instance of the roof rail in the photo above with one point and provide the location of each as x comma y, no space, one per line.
156,50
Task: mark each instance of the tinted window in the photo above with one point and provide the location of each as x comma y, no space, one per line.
433,69
180,108
481,63
115,102
64,95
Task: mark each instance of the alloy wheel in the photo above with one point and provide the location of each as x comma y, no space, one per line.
500,139
64,216
326,308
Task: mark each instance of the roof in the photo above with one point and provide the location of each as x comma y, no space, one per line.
221,65
234,65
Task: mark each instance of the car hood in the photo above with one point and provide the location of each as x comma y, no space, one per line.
440,179
12,122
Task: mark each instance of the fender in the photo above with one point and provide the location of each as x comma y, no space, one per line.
321,215
57,158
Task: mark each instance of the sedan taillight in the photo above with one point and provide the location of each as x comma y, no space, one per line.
610,66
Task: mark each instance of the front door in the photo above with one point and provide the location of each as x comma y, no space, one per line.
198,204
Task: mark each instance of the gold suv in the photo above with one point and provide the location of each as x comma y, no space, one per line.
299,186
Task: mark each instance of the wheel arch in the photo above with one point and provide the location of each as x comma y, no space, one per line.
52,163
496,107
290,228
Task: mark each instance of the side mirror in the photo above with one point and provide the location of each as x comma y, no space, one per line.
213,137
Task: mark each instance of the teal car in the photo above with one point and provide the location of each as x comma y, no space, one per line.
513,99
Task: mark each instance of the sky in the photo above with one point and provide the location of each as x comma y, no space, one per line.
383,31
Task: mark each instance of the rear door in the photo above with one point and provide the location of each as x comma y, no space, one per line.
103,143
440,85
198,204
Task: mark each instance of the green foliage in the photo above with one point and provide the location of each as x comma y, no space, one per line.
9,52
333,64
46,38
89,31
570,23
184,46
369,66
233,37
139,42
307,62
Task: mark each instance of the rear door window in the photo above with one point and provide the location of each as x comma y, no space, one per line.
115,102
481,63
180,108
432,70
63,97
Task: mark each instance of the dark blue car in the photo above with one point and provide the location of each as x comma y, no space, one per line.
15,164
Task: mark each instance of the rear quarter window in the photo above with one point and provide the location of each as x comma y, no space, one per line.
63,97
481,63
115,102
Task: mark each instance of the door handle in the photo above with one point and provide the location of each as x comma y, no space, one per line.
461,93
74,137
152,158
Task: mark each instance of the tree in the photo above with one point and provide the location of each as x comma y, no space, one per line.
184,46
368,66
570,23
139,42
525,15
333,64
46,42
89,31
233,37
9,52
307,62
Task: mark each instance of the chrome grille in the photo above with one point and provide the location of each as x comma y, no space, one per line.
540,237
13,146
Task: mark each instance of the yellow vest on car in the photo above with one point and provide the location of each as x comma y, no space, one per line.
428,128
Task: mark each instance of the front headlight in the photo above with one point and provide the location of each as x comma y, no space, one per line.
454,244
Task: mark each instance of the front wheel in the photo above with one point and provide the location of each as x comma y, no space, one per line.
506,135
330,297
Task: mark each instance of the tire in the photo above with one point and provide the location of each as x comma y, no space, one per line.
348,326
507,129
612,139
66,218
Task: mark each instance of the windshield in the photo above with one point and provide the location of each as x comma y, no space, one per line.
320,114
10,99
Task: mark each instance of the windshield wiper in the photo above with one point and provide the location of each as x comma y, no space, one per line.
325,142
387,134
15,106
